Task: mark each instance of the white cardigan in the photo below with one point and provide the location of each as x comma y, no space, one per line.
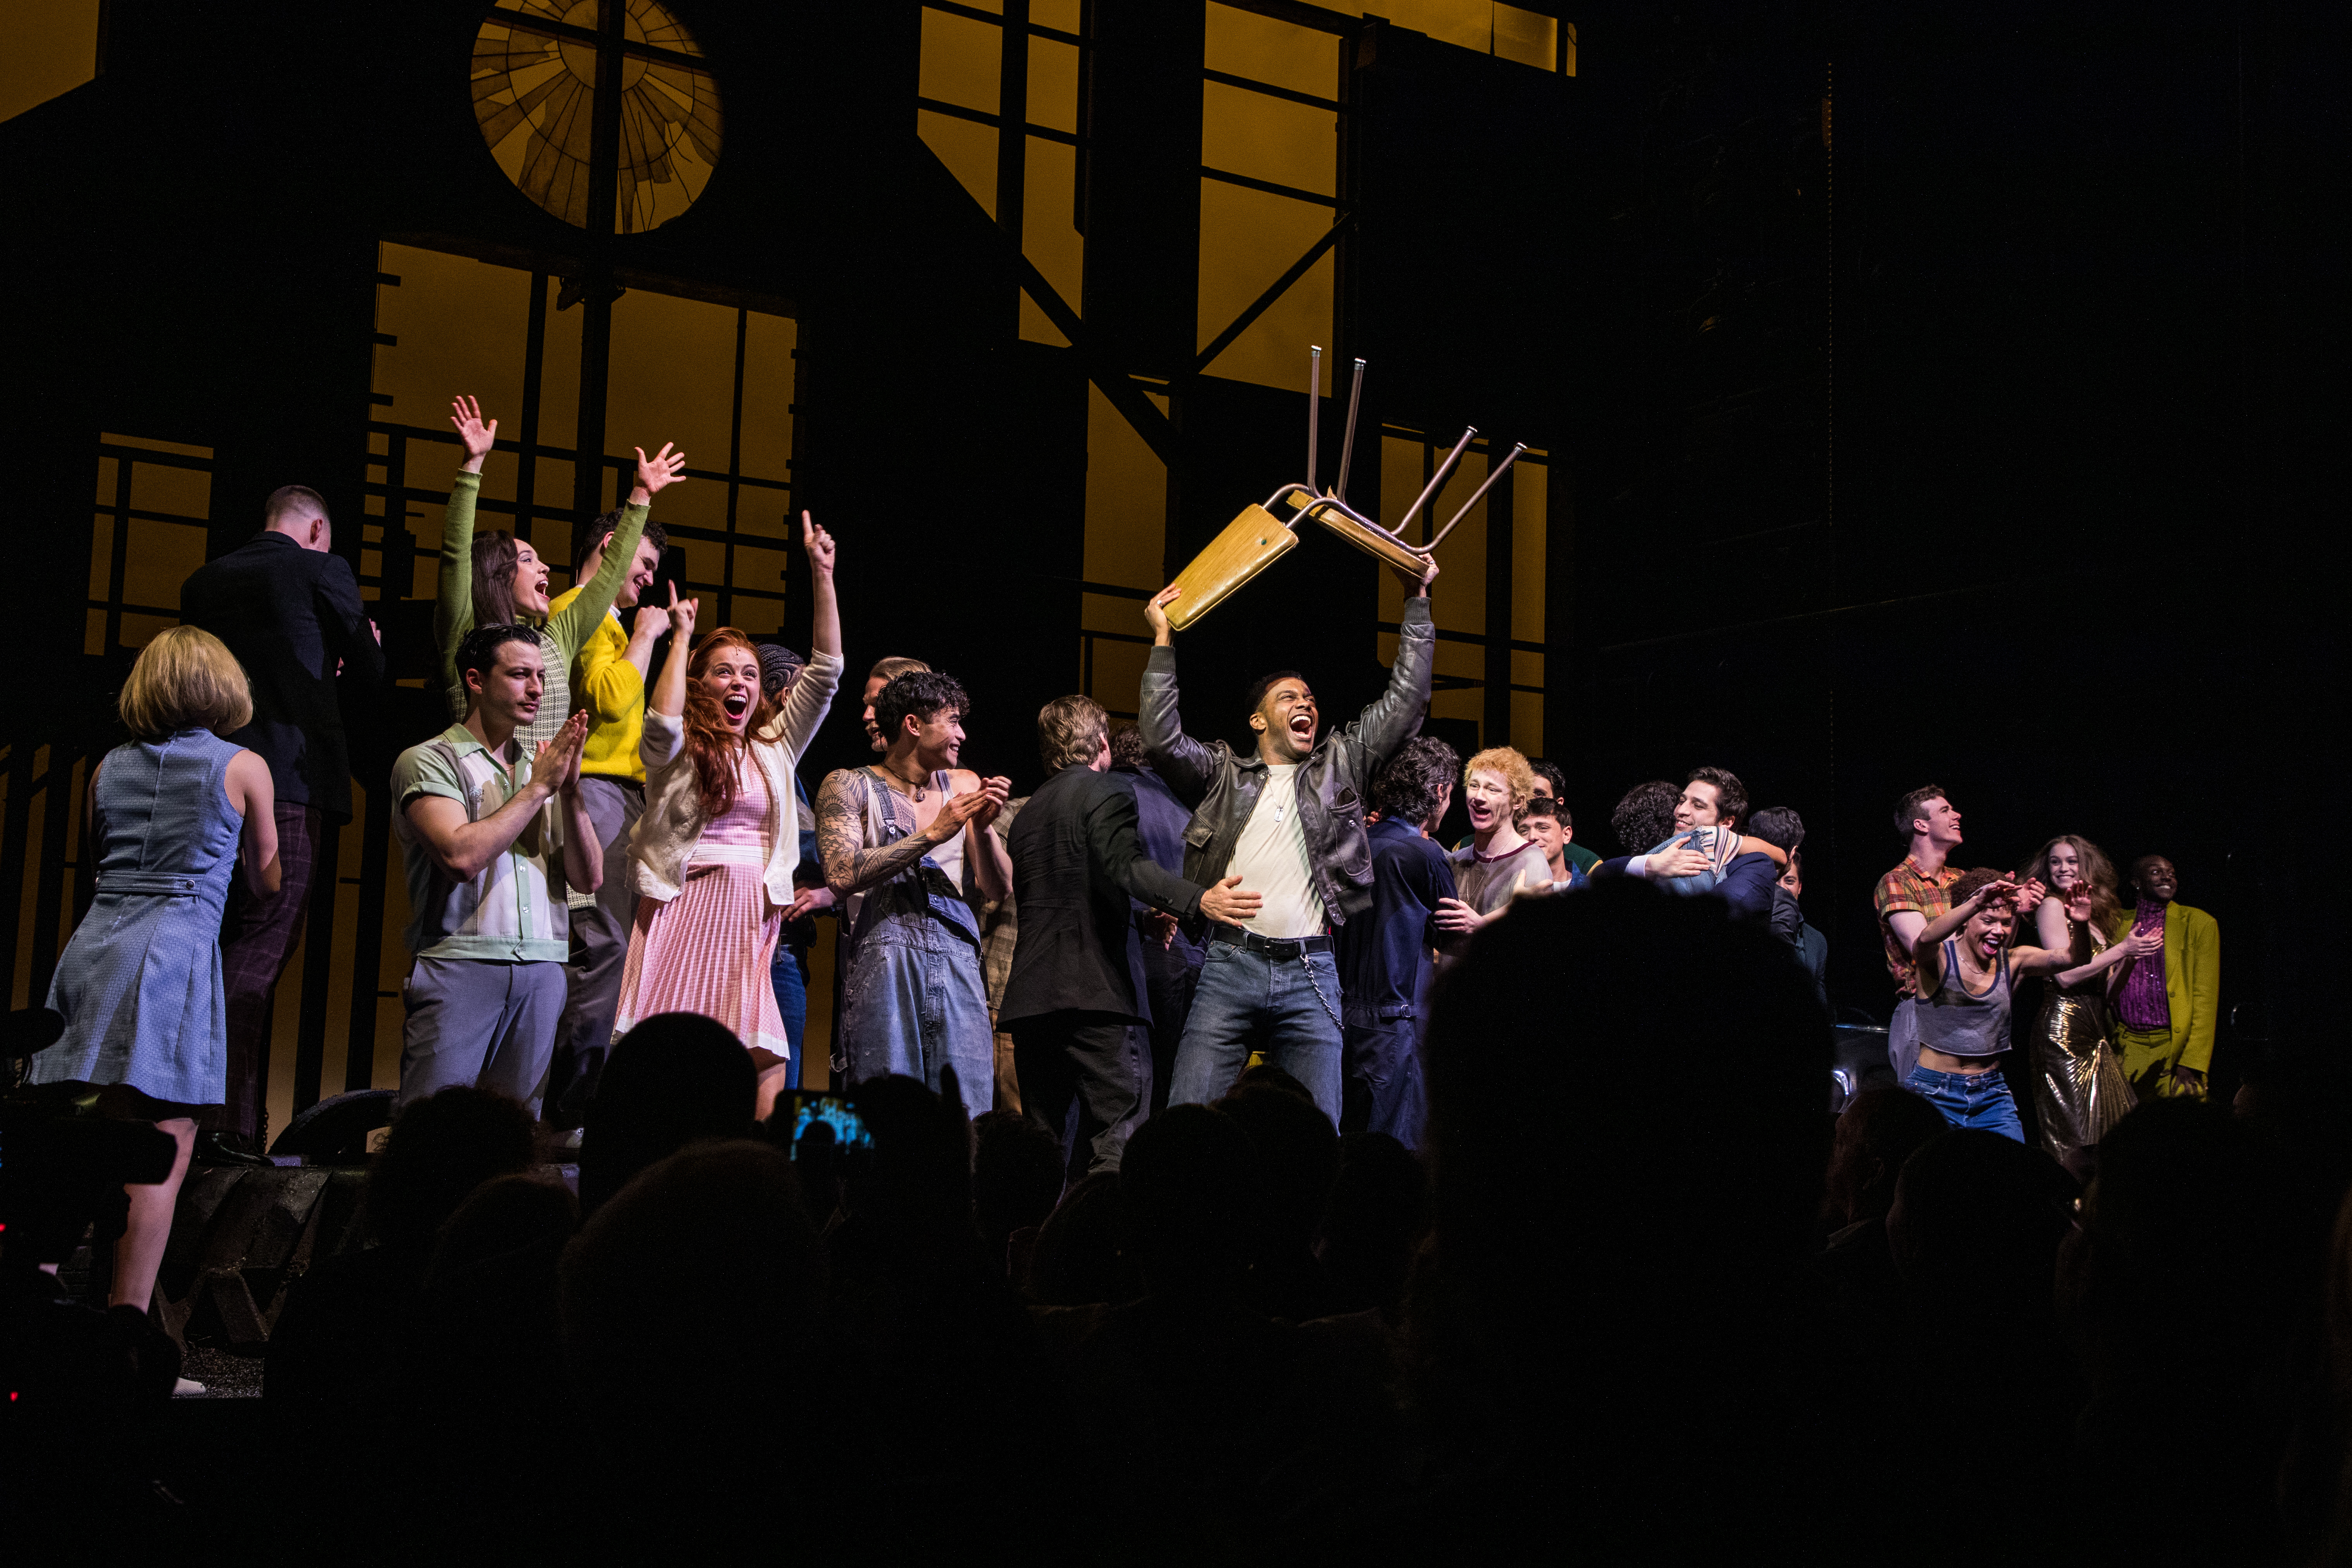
672,825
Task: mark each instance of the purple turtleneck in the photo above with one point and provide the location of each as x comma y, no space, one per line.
2143,1004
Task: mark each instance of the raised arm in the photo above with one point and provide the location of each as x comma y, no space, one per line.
849,864
810,698
824,609
1395,715
669,688
453,602
1933,933
2050,924
570,625
1182,761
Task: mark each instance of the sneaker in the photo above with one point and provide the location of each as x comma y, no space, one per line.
189,1388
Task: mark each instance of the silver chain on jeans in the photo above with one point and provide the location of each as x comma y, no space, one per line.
1303,963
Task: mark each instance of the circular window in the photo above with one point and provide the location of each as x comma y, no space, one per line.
535,69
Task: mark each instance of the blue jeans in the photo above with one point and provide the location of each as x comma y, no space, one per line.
1979,1099
1245,1000
792,1001
914,1004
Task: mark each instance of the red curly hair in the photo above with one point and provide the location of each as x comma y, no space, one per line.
710,742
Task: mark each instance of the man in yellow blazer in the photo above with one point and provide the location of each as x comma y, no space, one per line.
2166,1018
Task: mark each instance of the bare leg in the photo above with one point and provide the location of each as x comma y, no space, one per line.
139,1255
774,1070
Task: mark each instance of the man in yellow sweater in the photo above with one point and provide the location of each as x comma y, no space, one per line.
608,680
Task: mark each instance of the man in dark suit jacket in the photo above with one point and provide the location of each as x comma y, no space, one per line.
290,611
1076,1005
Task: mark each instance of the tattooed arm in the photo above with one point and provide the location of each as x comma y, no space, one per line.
850,864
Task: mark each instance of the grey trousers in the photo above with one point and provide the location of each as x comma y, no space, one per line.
1903,1039
600,938
481,1023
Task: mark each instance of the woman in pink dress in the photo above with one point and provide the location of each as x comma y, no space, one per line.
712,857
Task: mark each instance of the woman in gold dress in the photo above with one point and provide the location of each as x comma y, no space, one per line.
2079,1089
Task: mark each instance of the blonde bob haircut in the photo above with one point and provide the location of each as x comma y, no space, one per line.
1513,771
1070,732
185,679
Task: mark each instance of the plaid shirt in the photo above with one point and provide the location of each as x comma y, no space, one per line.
1908,888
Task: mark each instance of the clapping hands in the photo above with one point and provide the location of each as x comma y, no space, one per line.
556,765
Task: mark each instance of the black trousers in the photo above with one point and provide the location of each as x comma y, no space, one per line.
1168,976
1085,1078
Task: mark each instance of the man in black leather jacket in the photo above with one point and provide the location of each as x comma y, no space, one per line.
1288,825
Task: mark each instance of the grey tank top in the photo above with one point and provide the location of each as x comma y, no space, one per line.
1961,1024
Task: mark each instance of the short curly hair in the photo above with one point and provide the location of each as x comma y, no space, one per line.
919,693
1407,787
1970,881
1644,816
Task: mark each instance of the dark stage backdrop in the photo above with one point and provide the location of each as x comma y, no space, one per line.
1914,395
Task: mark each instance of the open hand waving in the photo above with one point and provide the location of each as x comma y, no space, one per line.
658,472
479,436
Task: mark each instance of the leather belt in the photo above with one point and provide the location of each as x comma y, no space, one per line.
1282,950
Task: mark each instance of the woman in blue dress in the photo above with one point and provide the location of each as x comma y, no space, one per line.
139,983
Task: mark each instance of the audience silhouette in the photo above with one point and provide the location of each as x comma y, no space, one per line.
1632,1301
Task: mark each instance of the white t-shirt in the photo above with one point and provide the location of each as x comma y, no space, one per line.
1271,860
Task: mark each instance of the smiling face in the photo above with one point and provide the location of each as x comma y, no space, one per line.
938,740
508,693
1548,834
640,577
1487,796
2066,866
529,582
1938,819
1285,721
2156,879
1986,932
731,675
1699,805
